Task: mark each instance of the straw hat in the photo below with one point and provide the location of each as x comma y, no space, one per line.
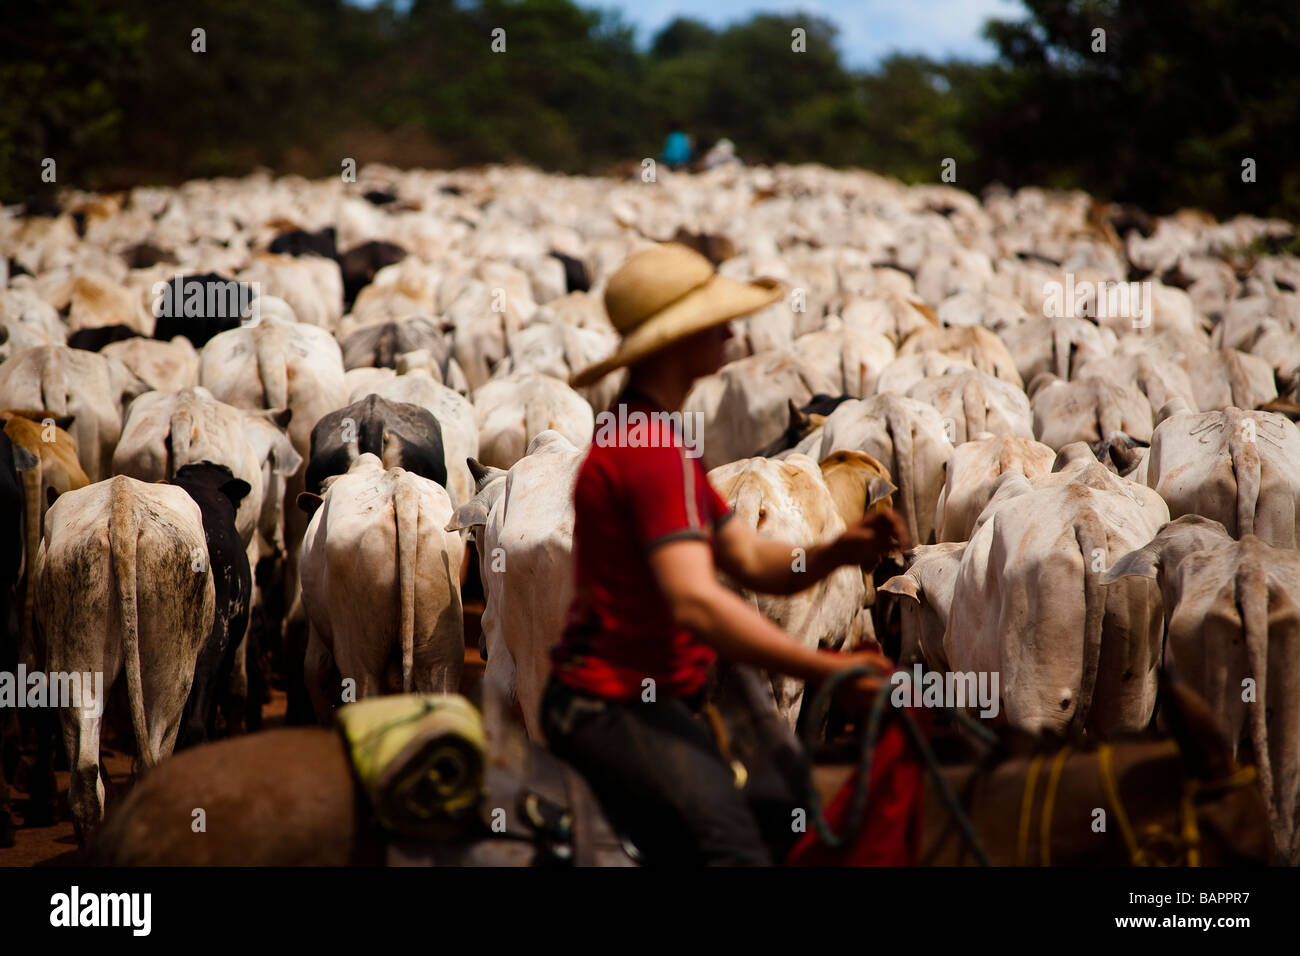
666,293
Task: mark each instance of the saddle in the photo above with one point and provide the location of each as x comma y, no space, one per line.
443,789
536,810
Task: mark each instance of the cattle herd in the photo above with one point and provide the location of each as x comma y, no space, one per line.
1084,415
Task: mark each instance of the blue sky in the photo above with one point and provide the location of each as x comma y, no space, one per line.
869,29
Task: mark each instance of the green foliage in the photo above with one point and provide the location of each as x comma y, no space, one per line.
1183,92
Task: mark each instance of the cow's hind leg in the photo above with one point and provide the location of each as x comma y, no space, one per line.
85,787
321,676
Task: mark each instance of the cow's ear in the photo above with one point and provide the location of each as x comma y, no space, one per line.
236,489
878,489
1039,382
483,474
798,420
472,514
903,584
1175,406
1069,454
308,502
25,460
1142,563
286,457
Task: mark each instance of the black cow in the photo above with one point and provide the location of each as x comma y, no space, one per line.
360,263
144,255
300,242
801,422
410,434
92,340
219,303
377,346
217,493
576,278
13,458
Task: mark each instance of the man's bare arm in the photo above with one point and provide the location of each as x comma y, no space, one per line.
778,567
685,574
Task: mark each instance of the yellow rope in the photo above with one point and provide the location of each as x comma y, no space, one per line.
1049,803
1106,771
1190,836
1026,809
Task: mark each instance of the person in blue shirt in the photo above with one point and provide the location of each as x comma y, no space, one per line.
677,148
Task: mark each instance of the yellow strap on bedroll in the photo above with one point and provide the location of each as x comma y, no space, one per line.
420,758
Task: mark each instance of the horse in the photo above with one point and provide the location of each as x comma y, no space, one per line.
289,797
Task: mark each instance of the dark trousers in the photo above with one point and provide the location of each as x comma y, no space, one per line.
657,772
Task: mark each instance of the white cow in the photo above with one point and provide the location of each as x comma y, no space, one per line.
93,389
1234,635
972,476
906,436
380,587
512,411
1091,410
522,525
745,404
123,586
166,366
1238,467
1069,652
928,584
165,430
788,500
972,402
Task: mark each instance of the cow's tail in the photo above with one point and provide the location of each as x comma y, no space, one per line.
1110,419
54,384
1244,448
1092,544
975,407
901,430
182,429
1061,346
123,531
1252,593
537,419
271,369
406,505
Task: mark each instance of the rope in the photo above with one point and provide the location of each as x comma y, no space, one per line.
1027,809
1049,803
1106,771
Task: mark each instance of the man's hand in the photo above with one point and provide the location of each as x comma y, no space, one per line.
871,538
858,694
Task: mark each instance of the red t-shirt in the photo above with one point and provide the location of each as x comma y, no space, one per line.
627,500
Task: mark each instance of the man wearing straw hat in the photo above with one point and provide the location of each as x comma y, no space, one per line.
649,615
